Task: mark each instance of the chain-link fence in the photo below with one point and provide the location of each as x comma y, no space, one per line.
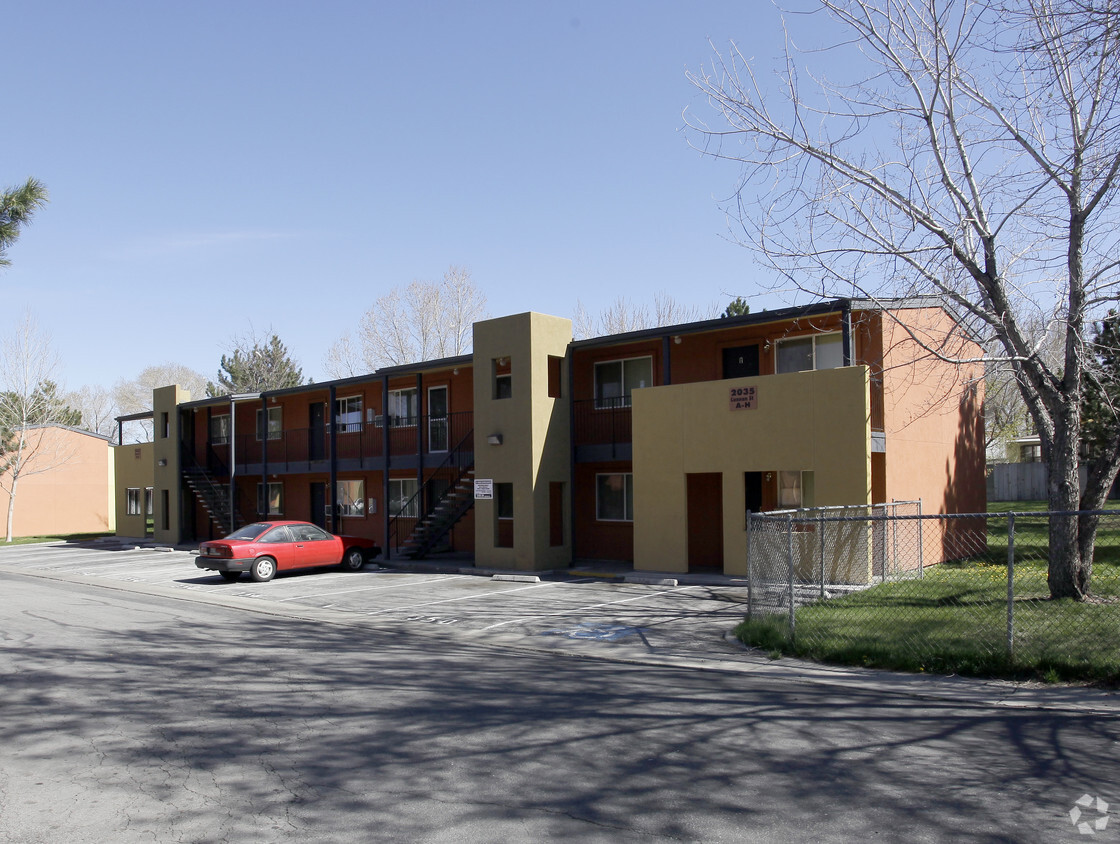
887,585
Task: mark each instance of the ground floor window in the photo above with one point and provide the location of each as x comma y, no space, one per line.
132,501
270,499
503,513
795,490
351,498
614,497
402,498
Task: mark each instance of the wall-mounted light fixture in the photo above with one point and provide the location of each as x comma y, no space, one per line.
494,439
769,477
677,339
766,347
455,371
161,462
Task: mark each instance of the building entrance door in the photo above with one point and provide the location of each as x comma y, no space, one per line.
316,432
740,362
705,520
319,504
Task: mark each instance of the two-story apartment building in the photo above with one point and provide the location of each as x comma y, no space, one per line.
536,450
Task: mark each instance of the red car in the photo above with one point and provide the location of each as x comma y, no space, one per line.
264,548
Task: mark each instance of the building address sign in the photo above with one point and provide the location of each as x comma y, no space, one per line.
744,398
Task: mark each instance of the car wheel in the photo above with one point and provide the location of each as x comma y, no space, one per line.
263,570
353,559
230,576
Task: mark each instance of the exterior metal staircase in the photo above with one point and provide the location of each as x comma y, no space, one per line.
441,502
455,502
213,497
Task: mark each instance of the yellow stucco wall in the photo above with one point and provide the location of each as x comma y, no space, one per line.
66,487
808,421
167,506
134,465
535,445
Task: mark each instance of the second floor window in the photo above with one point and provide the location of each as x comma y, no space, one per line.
404,408
615,380
270,425
219,429
348,414
801,354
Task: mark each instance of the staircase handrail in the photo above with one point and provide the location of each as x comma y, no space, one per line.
453,457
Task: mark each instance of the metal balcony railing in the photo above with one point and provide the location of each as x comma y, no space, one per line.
299,449
602,422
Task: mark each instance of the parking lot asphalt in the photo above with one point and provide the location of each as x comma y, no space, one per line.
595,612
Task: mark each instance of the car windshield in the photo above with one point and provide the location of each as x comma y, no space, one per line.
250,531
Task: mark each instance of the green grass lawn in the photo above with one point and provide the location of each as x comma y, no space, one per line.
954,620
69,537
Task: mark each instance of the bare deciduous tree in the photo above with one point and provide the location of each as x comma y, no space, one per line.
622,315
969,150
425,320
29,405
97,407
135,395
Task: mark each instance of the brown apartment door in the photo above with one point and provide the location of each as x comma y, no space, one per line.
705,520
316,431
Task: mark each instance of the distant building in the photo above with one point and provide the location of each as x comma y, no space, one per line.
68,488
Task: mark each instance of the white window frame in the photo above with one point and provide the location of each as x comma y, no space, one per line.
624,398
401,491
216,422
132,501
349,504
409,418
348,414
275,427
627,497
813,340
265,497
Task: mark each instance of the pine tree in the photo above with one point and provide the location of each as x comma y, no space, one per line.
255,366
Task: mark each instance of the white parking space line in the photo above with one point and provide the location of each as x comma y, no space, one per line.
161,570
369,588
587,607
501,594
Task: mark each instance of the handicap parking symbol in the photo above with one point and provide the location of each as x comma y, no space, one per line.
598,631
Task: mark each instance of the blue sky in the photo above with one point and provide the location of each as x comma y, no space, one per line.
221,167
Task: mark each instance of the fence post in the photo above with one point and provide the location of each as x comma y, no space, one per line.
894,536
1010,586
820,544
789,563
750,573
921,545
